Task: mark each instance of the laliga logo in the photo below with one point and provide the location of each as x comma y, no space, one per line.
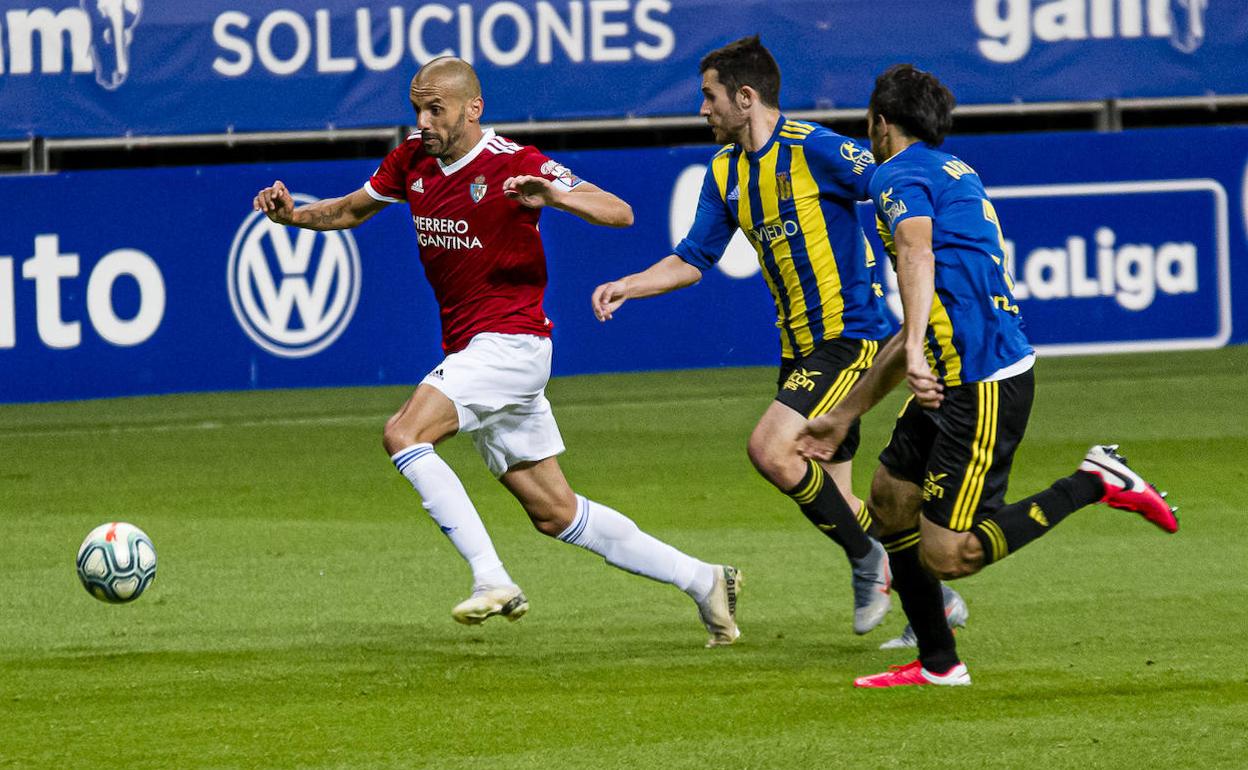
112,32
307,304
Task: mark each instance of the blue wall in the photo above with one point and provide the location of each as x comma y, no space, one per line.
118,282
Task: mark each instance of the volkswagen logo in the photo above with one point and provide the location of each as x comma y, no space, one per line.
292,290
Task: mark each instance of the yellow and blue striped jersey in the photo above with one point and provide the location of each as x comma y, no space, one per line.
975,328
794,199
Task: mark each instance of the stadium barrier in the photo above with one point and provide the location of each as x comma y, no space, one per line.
82,68
163,280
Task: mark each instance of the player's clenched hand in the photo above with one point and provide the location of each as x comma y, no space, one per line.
532,191
607,299
276,203
926,387
821,437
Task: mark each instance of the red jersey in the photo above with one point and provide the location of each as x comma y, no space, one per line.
481,250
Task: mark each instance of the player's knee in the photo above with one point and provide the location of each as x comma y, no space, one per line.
402,431
782,468
547,526
886,518
890,512
552,516
944,562
393,437
756,449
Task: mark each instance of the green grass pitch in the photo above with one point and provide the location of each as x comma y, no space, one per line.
300,617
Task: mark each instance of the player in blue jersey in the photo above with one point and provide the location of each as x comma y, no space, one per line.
939,493
791,187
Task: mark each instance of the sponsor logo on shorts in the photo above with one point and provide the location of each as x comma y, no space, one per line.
932,488
801,379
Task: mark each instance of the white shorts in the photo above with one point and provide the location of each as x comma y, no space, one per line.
498,386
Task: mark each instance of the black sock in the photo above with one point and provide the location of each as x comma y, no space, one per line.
865,519
922,600
823,504
1017,524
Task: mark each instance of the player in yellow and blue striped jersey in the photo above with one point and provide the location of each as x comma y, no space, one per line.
791,187
939,493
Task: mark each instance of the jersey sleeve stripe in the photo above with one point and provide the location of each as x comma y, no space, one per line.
368,188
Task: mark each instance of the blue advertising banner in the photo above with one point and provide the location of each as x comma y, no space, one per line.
117,67
164,280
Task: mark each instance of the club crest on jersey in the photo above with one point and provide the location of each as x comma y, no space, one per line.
784,186
477,189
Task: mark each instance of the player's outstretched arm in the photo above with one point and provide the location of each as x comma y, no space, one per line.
587,201
329,214
668,274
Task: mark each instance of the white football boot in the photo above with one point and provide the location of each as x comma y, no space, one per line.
488,601
719,609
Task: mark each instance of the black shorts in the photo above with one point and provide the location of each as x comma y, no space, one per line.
812,385
961,453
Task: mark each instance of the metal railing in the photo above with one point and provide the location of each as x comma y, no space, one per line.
1107,116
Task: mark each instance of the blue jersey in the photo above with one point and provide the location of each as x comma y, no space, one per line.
975,328
794,199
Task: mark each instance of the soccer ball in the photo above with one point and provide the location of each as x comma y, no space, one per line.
116,562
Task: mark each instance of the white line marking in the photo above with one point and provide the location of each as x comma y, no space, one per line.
318,422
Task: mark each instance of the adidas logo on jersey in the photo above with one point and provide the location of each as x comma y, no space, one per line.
735,194
418,186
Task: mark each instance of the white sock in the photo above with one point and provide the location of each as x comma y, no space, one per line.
616,538
443,495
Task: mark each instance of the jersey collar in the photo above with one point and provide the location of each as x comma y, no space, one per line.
470,157
770,140
903,152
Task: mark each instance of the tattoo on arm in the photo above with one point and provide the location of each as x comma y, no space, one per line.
331,214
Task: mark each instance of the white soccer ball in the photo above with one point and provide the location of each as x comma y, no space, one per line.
116,562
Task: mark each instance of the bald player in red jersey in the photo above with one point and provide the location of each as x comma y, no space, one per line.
475,199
